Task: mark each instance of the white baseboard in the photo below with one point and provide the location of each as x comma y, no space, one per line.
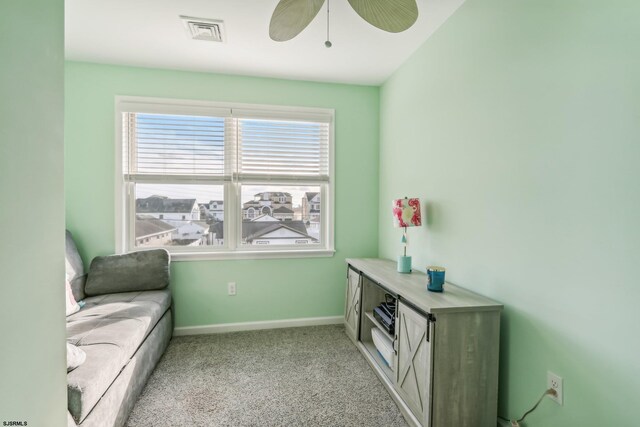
254,326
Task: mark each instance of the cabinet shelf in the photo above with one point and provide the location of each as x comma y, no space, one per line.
370,316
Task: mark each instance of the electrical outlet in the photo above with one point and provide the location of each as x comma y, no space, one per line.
232,288
555,382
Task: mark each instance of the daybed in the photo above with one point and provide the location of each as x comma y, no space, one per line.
124,328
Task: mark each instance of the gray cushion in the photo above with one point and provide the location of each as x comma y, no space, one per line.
87,383
136,271
116,404
74,268
109,329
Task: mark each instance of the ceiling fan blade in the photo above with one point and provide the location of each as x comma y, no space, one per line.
392,16
291,17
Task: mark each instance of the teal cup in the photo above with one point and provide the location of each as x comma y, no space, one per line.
435,278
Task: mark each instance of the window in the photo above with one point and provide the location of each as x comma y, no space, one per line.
224,181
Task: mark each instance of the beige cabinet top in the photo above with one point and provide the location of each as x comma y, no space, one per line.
413,288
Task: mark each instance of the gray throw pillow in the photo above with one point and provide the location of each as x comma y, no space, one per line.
135,271
75,357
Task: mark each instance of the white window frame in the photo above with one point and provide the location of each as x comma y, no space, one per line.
232,249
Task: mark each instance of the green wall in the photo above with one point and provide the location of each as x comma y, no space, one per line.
32,334
267,289
518,123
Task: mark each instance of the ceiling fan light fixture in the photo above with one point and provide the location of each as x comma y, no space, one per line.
290,17
327,43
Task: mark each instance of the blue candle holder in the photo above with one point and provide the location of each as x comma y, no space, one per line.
435,279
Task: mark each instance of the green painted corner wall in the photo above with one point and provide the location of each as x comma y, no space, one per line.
33,381
518,123
267,289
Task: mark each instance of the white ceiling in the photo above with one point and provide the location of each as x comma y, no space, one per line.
149,33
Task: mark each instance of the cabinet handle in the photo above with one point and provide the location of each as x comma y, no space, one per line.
356,309
395,344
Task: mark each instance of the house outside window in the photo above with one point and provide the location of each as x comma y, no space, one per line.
209,180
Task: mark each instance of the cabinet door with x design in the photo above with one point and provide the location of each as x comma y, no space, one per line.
352,304
413,361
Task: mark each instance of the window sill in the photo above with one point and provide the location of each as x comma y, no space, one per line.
221,256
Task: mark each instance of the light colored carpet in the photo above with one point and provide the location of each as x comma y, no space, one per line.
311,376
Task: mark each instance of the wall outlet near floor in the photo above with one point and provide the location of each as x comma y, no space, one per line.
231,286
555,382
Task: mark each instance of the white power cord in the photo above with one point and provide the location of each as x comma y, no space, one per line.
516,423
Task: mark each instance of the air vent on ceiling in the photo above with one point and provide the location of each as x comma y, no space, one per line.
204,29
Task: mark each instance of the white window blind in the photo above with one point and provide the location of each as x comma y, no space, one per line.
283,150
174,146
188,147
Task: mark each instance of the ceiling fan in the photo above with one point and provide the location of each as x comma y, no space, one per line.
290,17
